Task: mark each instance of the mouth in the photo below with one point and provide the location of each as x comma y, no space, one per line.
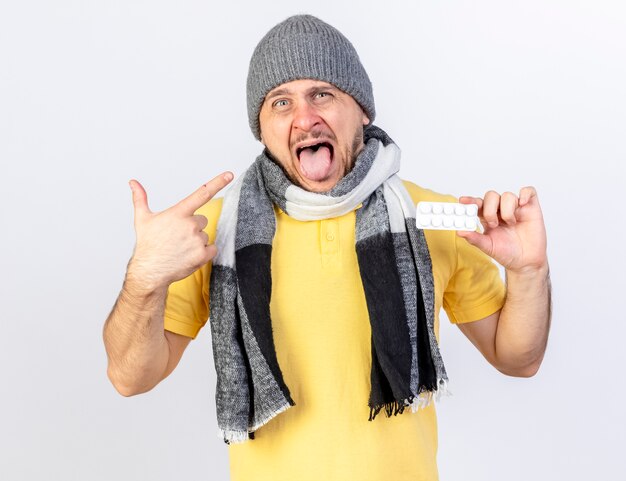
314,148
316,161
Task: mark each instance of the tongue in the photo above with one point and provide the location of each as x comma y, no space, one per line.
315,165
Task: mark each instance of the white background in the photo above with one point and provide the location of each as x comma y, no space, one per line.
479,95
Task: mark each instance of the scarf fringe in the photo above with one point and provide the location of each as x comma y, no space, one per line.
425,398
422,400
233,437
236,437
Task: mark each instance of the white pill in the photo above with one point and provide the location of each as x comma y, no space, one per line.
470,223
425,208
437,209
448,221
436,221
459,210
425,220
448,209
459,222
472,209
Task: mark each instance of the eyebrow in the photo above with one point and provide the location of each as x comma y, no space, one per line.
286,91
277,93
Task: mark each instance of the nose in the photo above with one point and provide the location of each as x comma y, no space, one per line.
306,117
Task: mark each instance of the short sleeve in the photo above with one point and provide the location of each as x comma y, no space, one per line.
187,303
475,289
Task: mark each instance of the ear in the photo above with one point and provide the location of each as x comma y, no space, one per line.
366,120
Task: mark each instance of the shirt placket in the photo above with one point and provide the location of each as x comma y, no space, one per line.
329,242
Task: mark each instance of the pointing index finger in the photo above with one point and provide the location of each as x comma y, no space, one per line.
205,193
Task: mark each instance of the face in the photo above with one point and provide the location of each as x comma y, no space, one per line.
314,130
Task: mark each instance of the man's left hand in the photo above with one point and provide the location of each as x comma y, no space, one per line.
514,232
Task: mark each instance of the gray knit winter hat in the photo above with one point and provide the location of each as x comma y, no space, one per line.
304,47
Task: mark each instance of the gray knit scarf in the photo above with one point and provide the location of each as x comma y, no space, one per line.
395,269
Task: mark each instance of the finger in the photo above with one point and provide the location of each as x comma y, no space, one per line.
205,255
508,208
466,199
481,241
140,198
526,195
205,238
211,251
201,221
491,206
204,194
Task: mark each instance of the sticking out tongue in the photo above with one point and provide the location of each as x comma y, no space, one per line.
315,163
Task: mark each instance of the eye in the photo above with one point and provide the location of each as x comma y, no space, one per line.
280,103
321,95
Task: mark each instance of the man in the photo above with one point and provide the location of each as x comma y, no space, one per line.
324,295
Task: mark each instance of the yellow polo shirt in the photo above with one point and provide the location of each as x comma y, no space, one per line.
323,345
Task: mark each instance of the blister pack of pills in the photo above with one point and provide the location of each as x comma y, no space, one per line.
447,216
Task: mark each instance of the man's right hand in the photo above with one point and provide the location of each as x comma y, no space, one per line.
171,244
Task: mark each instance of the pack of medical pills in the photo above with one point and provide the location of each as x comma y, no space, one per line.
447,216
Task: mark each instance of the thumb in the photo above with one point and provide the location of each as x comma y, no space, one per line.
140,198
481,241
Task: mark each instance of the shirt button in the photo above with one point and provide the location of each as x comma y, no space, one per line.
330,236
